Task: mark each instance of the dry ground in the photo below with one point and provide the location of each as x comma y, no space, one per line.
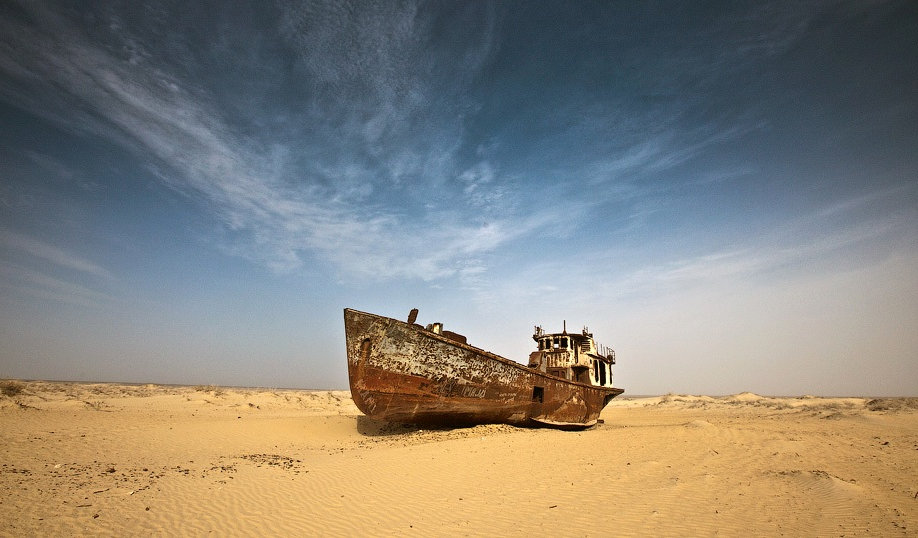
125,460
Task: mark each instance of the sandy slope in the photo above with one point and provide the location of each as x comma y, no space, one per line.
116,459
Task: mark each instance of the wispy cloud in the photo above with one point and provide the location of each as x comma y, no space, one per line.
707,267
860,201
766,28
368,93
31,267
23,244
805,249
802,247
22,281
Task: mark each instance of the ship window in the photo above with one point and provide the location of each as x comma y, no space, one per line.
538,394
602,373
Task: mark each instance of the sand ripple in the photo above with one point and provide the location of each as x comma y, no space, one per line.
127,460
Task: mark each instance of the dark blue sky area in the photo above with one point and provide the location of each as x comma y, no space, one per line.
725,192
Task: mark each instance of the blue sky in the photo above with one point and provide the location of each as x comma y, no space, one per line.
725,192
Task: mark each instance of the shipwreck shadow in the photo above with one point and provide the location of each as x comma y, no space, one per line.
379,428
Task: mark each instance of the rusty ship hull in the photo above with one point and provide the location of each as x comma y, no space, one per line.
400,372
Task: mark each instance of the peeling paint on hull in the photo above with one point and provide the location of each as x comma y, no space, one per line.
399,372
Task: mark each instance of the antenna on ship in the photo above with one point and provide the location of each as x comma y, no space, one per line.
565,326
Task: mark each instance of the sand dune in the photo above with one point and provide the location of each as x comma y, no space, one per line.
127,459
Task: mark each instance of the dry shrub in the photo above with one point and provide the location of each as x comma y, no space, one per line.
893,404
11,388
778,405
210,388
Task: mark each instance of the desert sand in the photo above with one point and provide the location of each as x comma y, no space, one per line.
90,459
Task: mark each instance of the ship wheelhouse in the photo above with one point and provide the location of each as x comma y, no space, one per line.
575,357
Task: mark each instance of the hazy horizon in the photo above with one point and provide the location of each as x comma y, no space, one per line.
726,193
625,395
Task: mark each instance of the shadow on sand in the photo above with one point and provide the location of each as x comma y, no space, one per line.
379,428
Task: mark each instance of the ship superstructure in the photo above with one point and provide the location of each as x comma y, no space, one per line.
575,357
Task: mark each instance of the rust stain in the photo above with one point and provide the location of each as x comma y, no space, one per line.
403,372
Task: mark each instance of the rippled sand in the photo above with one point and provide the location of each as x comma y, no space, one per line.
125,459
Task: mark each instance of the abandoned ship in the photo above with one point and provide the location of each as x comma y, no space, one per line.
403,372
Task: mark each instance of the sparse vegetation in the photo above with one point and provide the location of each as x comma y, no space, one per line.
95,405
10,388
217,391
893,404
